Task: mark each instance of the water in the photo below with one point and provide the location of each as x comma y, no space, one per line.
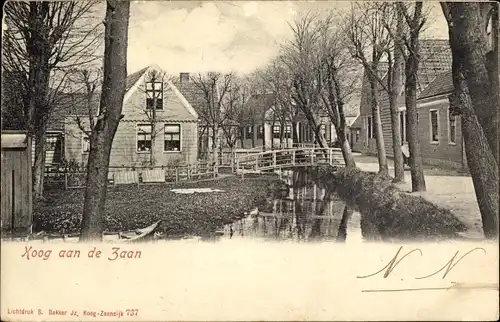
308,214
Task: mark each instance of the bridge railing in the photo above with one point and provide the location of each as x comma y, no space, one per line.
287,158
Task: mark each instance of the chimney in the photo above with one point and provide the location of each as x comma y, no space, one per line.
184,77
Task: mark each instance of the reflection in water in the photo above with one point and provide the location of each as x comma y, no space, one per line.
307,214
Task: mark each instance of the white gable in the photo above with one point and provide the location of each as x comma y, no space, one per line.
171,85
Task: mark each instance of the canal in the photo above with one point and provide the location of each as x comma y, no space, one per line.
308,213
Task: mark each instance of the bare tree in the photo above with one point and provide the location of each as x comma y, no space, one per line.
278,80
42,40
474,99
113,91
236,111
337,70
300,56
415,21
214,88
366,32
88,83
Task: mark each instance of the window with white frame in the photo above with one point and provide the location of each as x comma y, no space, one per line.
403,125
154,94
143,137
85,143
276,131
172,137
452,128
248,132
357,135
288,131
369,126
434,125
260,132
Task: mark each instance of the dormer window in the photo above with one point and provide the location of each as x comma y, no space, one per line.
154,95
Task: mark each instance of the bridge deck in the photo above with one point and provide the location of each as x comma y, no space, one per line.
288,158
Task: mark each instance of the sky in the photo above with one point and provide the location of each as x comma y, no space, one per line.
199,36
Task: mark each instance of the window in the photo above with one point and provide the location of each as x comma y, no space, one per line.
85,143
452,126
276,131
248,132
143,138
322,129
369,127
154,90
434,128
288,131
403,125
172,137
260,132
357,135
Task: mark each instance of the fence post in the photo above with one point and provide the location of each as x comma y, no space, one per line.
312,156
274,159
293,157
331,156
176,174
237,166
65,181
188,172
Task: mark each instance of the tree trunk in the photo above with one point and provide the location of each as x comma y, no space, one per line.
379,138
254,134
39,164
295,135
242,139
395,90
416,164
467,25
480,159
113,90
346,148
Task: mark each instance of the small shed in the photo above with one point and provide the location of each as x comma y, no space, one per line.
16,201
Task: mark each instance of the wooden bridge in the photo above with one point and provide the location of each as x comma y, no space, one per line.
288,158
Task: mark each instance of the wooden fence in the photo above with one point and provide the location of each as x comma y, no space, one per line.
147,175
16,201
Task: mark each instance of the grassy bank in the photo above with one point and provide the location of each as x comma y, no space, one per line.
392,213
132,207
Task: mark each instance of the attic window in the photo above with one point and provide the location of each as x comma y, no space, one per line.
154,95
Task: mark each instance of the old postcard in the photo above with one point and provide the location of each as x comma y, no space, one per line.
249,161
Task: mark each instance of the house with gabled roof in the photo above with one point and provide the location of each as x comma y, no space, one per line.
167,131
268,128
436,124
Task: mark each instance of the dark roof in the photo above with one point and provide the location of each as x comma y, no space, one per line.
442,84
261,101
71,104
192,93
435,58
134,77
358,123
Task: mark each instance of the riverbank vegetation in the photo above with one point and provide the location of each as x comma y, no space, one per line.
132,207
391,212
